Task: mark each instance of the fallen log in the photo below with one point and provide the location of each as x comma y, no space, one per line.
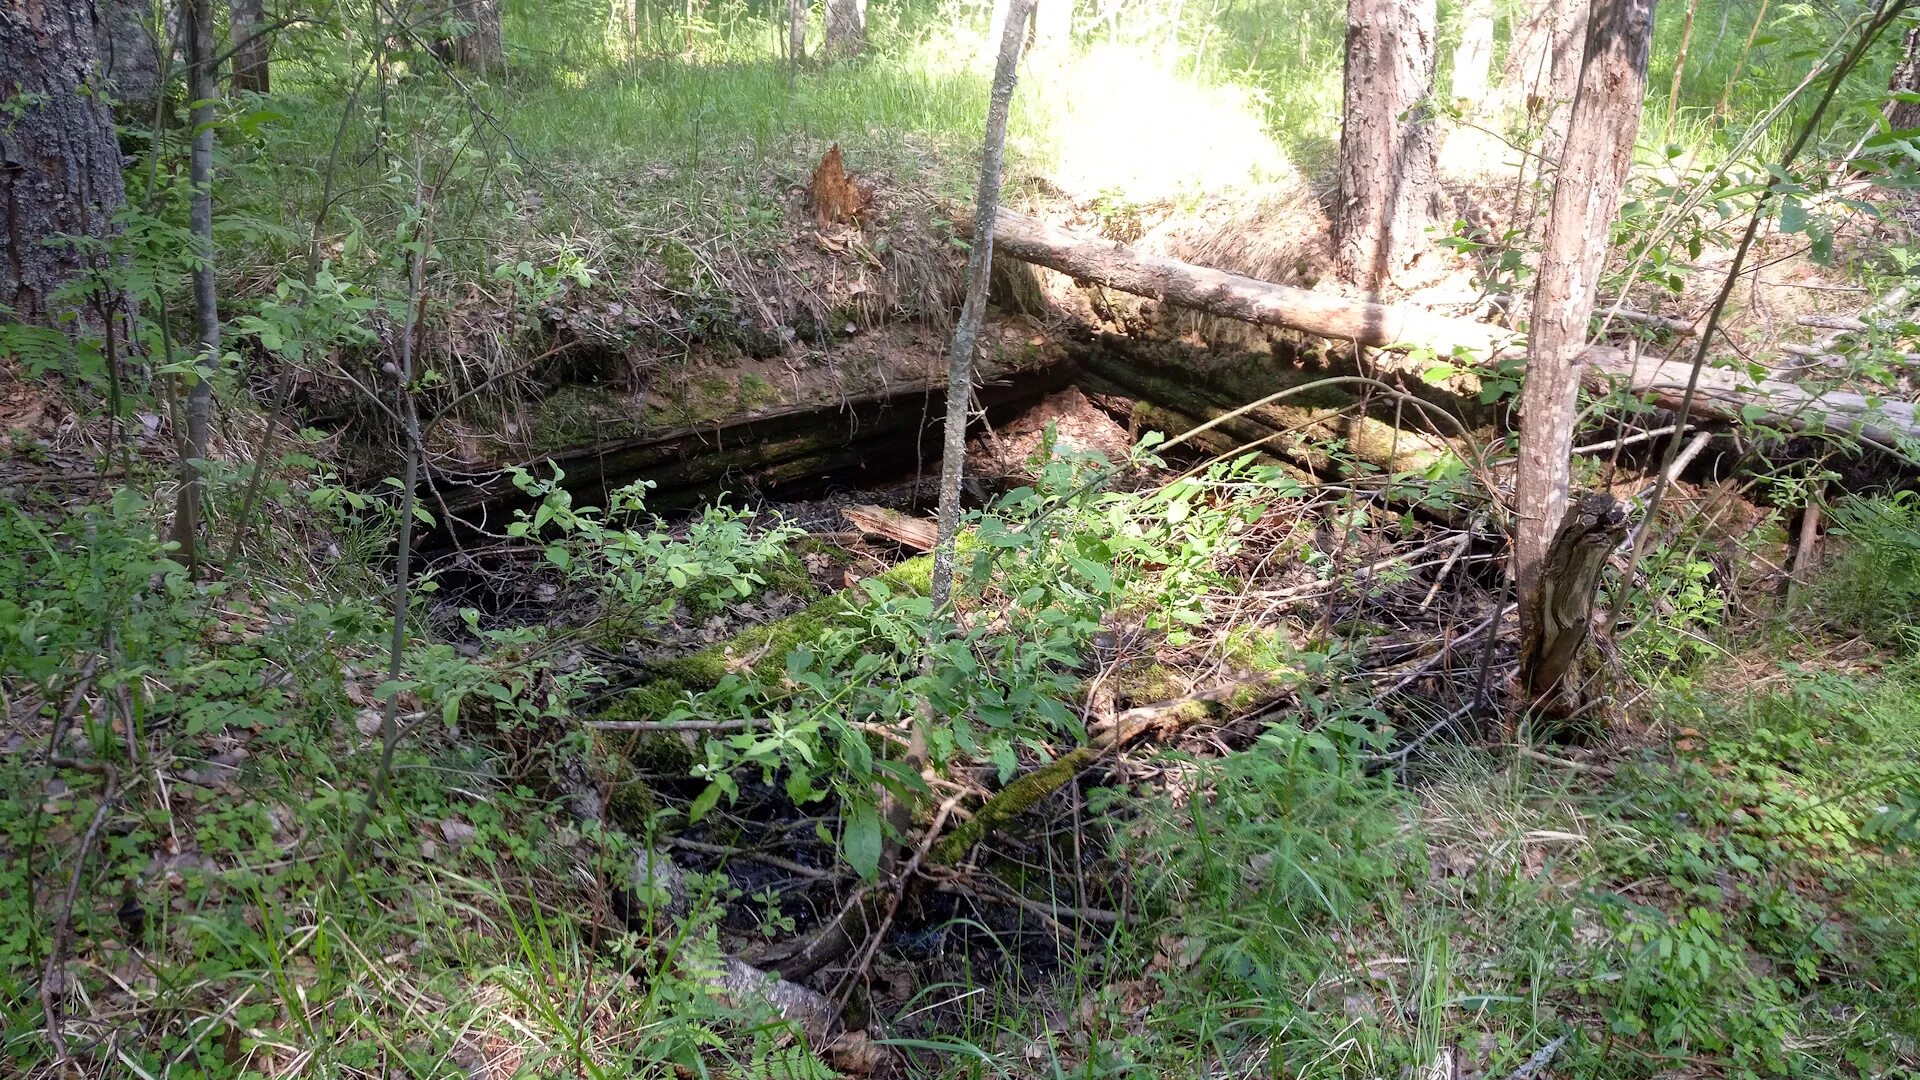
1726,395
1235,296
1721,394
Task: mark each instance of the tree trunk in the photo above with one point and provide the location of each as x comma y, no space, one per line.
1537,82
1604,122
1388,184
1905,115
477,46
130,52
846,28
1473,57
252,45
59,163
797,32
202,85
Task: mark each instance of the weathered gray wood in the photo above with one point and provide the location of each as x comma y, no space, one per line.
1389,185
1586,196
1560,611
252,46
1236,296
1726,396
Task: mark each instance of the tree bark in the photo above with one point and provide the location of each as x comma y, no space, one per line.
477,46
1905,115
1473,57
1600,136
1542,70
252,45
846,28
1389,189
59,163
1562,609
797,32
202,86
132,44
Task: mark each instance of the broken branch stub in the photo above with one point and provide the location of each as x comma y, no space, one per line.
1555,625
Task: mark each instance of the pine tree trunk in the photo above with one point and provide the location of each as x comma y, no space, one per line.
1542,69
128,58
478,48
202,85
1905,115
1605,119
1473,57
846,28
1388,183
59,163
252,45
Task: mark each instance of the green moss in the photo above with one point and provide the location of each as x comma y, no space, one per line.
1010,801
756,392
760,650
577,415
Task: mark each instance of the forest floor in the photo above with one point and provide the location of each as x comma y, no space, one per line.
1329,858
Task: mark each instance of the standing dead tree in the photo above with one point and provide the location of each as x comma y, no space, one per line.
1593,171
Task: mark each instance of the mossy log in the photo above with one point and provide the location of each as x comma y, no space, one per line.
769,449
1297,429
1010,801
762,649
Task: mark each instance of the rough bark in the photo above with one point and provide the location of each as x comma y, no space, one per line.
130,49
1561,609
846,28
1473,57
1236,296
477,46
797,31
1905,115
1593,170
59,163
202,86
252,45
1542,70
1388,175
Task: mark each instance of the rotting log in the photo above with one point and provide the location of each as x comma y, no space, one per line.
770,448
1721,394
1236,296
1726,396
917,533
1561,615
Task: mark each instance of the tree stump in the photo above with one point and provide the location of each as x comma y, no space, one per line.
1555,627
